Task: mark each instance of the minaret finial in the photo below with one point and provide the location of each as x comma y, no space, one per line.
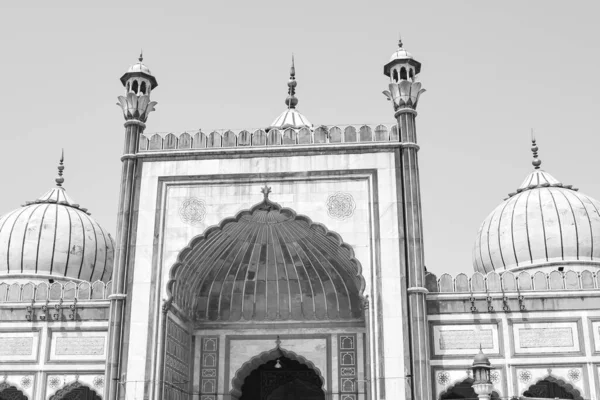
141,57
400,40
60,180
291,101
534,149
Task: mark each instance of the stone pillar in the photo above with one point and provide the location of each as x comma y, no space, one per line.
404,92
135,109
414,255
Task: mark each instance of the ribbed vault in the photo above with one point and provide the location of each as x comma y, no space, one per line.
267,263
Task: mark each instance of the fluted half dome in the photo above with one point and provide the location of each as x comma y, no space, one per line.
53,237
267,263
543,224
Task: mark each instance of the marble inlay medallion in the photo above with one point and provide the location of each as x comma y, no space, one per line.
192,211
340,206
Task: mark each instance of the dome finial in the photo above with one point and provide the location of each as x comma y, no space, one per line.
534,149
60,180
291,101
400,45
141,57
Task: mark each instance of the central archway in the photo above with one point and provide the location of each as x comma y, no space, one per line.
283,379
265,264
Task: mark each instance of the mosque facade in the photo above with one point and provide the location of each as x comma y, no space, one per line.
287,262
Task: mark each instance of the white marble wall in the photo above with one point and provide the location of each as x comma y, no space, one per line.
372,231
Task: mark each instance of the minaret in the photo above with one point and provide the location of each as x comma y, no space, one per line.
136,105
404,92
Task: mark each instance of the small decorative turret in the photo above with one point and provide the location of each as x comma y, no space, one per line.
138,78
481,373
138,82
403,70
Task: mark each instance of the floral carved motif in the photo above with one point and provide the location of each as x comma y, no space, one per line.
98,381
54,382
524,376
26,382
443,378
192,211
574,374
340,206
495,377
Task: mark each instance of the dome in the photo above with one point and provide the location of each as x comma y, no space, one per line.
481,360
139,67
53,238
267,263
544,223
290,118
401,54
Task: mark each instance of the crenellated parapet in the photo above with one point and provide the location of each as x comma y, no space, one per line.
41,292
322,135
513,282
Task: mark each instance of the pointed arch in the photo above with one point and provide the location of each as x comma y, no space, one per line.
71,390
8,391
553,387
220,275
463,389
264,357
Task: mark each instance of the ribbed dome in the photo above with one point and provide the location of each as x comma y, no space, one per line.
290,118
53,237
268,264
401,54
139,67
544,223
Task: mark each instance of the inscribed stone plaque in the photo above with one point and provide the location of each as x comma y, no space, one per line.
466,339
16,346
79,346
546,337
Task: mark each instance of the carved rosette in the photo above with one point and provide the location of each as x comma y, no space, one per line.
404,94
136,107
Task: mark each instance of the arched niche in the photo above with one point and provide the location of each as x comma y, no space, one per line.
550,388
255,362
9,392
463,390
76,391
268,263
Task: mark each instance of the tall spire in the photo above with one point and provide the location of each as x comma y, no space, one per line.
291,101
60,180
534,149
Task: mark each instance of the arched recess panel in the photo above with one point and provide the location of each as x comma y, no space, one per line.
248,268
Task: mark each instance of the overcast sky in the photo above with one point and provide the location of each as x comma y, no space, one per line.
492,70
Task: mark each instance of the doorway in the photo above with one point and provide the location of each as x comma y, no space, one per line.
283,379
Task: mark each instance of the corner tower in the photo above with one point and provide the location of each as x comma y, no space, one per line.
404,92
136,105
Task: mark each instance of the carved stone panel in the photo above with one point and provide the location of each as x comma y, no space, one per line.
465,339
80,345
19,346
543,338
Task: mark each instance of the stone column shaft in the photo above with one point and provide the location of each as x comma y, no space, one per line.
414,256
133,129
